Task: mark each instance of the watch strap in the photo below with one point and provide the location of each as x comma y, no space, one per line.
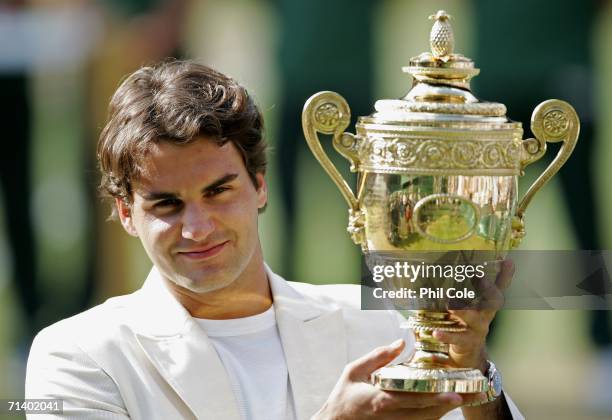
494,389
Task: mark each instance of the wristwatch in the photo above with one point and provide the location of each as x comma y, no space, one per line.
495,384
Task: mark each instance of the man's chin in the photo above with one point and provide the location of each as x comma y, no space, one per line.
210,281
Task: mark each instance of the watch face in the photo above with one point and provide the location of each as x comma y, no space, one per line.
496,384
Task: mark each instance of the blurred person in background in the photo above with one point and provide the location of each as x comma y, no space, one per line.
16,114
35,38
214,333
550,55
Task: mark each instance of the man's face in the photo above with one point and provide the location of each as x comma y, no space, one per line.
195,211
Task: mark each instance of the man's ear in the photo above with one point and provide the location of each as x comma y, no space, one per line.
262,190
125,216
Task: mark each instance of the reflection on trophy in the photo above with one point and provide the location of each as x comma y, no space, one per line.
437,171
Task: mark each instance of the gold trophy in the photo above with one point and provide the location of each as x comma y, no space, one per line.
437,171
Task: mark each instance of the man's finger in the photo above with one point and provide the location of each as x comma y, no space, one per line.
430,412
393,400
473,398
490,294
435,412
464,340
362,368
477,321
398,399
504,278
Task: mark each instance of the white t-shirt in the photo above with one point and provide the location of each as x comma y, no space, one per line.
251,351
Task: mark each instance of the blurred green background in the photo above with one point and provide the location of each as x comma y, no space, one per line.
550,365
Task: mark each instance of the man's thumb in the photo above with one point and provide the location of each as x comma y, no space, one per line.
362,368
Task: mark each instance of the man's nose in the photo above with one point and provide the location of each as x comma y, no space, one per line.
197,223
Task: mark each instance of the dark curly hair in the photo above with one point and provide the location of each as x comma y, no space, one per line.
175,101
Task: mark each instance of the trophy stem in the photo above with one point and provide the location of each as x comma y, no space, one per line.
431,353
430,369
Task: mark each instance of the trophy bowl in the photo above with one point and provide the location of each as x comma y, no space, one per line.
437,171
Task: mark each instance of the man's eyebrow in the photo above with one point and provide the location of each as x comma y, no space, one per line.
224,179
155,195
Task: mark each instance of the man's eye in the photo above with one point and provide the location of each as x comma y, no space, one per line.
216,191
170,202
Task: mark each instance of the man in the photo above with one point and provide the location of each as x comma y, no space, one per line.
213,333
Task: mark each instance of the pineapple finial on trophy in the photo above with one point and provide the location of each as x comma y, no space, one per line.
441,38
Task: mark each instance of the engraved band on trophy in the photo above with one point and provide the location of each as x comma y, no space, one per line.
437,170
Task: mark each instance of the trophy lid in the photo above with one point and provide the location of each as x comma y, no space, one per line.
441,88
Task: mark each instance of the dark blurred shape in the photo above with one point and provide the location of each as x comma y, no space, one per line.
16,114
324,45
15,180
131,8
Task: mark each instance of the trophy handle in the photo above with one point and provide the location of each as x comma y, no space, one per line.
328,113
552,121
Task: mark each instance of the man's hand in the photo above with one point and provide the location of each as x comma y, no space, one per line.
467,348
354,397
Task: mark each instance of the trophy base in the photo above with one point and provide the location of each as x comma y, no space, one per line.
415,379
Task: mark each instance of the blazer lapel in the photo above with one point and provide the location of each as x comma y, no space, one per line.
314,341
183,355
313,338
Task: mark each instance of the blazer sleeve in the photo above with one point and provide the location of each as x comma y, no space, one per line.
58,368
514,411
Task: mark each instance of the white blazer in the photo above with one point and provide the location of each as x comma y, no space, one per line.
142,356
